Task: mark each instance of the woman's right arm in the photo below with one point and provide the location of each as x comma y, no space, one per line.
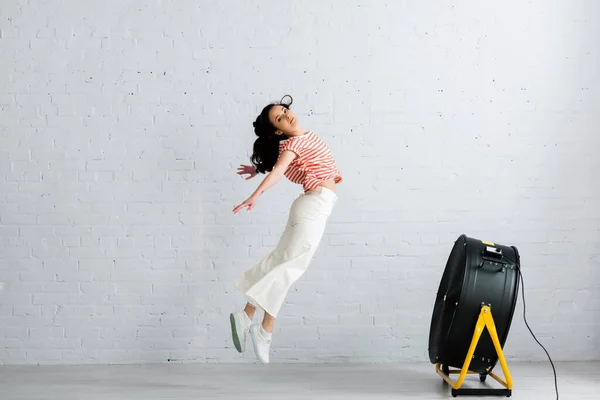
276,173
285,159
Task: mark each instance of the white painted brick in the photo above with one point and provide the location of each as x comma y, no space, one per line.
20,310
205,289
84,253
46,332
95,265
49,310
165,310
136,287
93,343
50,299
176,321
28,321
36,276
6,311
117,333
121,299
356,320
52,343
153,332
130,311
12,343
171,289
18,219
13,332
97,288
61,287
84,311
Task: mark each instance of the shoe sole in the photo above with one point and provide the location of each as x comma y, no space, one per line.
253,335
234,334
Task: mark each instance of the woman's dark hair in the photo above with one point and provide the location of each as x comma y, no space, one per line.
266,147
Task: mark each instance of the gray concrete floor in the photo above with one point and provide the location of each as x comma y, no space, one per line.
576,380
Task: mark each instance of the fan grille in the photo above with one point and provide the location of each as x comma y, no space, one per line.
448,295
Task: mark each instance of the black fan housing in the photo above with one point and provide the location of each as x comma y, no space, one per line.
477,273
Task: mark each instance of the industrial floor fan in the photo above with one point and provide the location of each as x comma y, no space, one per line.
472,314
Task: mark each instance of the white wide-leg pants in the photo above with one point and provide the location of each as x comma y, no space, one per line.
268,282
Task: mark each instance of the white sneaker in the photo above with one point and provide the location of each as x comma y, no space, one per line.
262,343
240,325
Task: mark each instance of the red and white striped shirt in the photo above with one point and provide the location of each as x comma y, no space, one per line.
314,163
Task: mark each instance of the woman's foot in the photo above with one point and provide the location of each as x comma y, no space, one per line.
261,340
240,325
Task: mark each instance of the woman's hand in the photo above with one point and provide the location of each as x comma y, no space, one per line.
247,169
250,202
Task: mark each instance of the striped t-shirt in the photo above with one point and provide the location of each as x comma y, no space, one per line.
314,163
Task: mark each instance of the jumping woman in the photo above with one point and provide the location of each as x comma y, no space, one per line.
283,148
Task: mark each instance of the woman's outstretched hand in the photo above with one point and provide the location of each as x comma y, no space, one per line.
250,202
247,169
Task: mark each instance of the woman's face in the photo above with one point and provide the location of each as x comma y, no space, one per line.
283,119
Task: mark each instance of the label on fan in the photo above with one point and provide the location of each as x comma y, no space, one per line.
488,243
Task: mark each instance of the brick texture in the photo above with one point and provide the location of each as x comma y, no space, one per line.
122,124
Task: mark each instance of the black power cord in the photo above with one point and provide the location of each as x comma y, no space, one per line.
526,324
525,319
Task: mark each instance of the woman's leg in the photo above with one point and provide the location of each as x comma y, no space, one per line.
250,310
261,337
268,322
268,283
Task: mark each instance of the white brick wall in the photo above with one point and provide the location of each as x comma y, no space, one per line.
122,124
